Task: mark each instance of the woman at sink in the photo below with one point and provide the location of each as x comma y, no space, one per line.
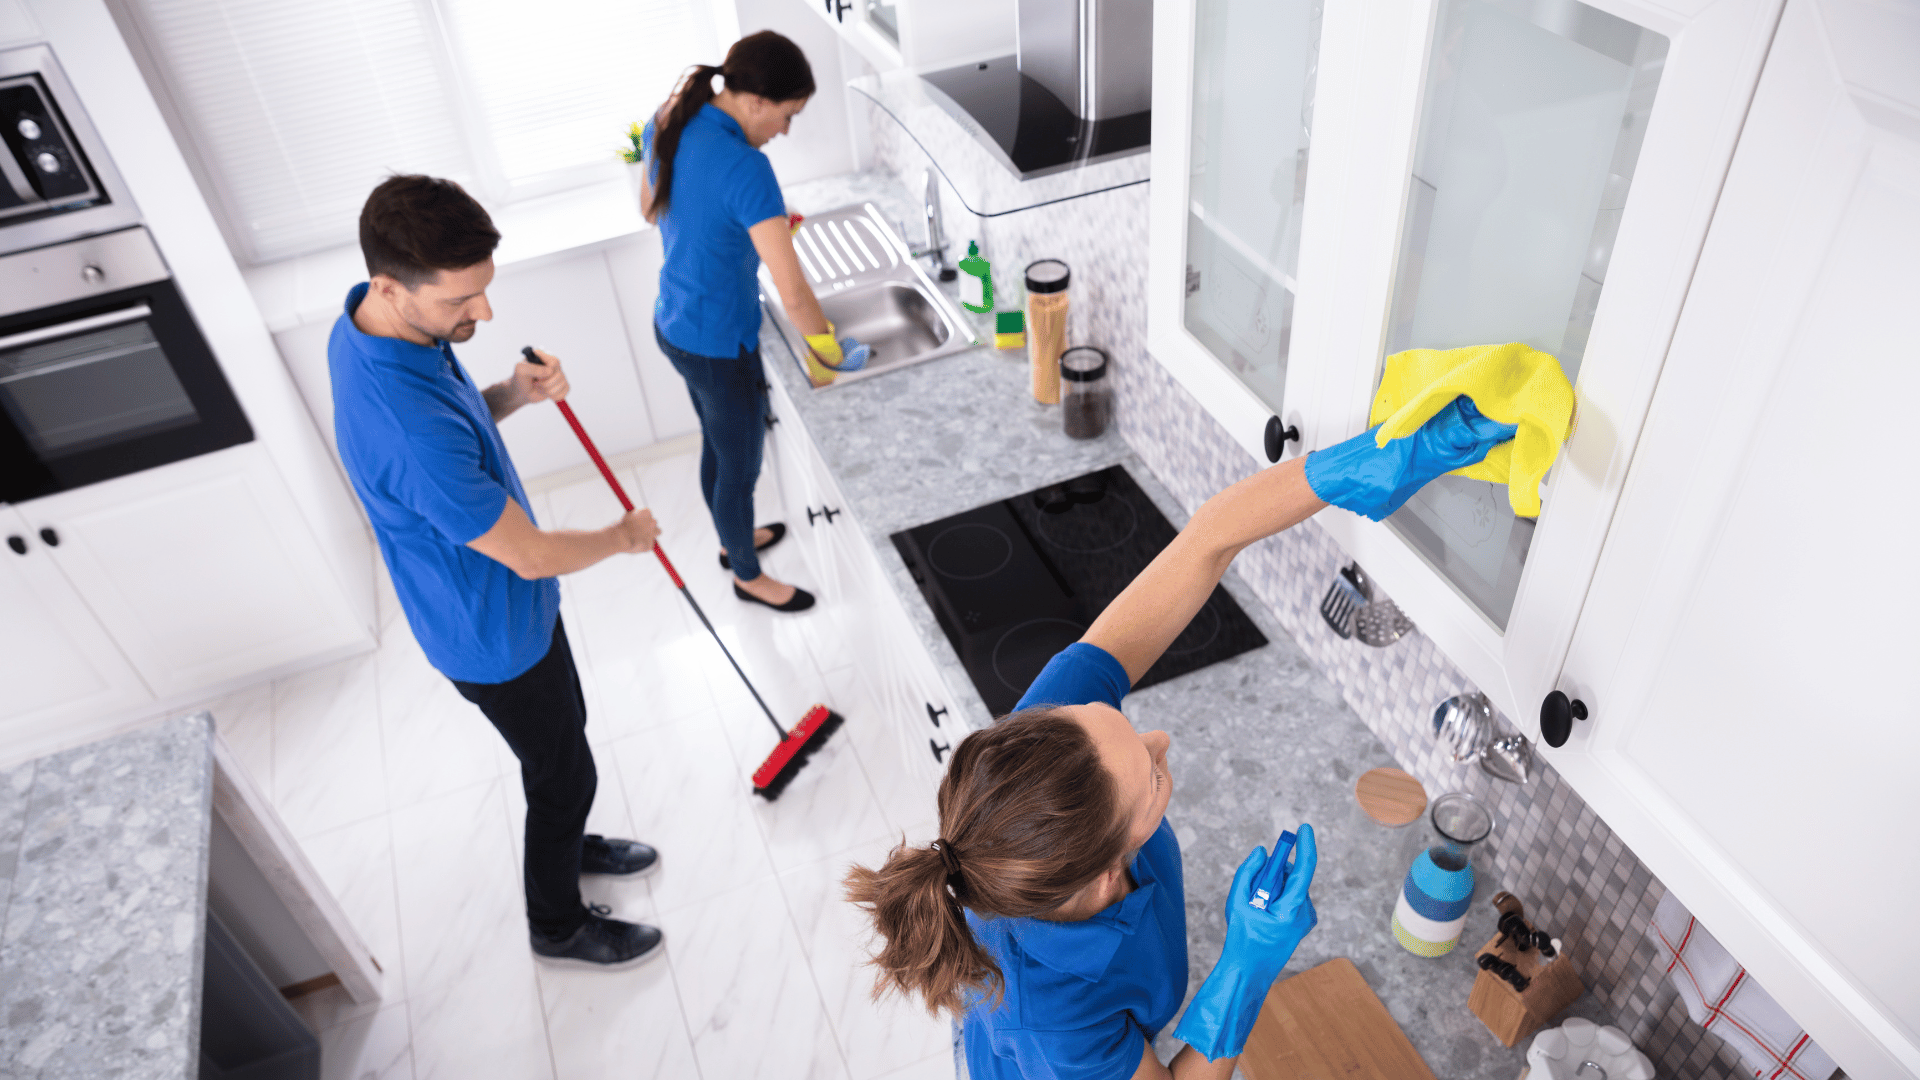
1050,915
713,194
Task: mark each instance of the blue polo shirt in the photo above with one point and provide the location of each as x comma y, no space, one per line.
426,460
1082,996
709,302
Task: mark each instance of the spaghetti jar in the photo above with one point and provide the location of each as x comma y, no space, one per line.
1046,326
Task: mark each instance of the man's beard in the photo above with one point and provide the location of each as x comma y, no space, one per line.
462,331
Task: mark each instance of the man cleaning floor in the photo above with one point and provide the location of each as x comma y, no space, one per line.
473,571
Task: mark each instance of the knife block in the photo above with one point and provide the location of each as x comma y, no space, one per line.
1512,1014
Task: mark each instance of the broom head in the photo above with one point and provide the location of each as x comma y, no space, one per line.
802,740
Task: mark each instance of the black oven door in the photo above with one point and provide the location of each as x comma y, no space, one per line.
109,385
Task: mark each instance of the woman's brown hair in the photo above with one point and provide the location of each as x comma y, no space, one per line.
764,64
1029,815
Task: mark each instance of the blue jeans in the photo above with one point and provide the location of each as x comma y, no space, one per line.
731,401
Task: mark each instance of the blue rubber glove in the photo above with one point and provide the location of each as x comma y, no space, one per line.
1374,480
1259,944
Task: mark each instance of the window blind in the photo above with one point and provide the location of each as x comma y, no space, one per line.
296,109
555,90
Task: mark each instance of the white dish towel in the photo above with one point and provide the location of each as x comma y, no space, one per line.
1722,998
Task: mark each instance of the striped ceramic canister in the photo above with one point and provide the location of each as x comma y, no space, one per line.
1432,908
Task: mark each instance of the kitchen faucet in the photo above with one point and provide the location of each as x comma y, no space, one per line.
936,236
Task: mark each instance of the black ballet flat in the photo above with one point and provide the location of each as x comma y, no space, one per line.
801,599
779,531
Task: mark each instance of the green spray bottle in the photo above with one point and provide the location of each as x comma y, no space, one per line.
976,281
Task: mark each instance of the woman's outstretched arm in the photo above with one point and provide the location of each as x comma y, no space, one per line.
1357,474
1144,619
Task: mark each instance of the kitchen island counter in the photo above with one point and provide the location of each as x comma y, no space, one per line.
1261,742
103,856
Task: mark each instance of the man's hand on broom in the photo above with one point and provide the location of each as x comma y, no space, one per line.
639,530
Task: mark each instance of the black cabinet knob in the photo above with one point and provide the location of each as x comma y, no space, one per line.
811,514
52,538
1277,437
18,544
1557,714
840,9
830,512
934,714
938,750
771,420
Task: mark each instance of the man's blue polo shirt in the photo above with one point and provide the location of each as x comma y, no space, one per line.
709,302
1082,997
425,458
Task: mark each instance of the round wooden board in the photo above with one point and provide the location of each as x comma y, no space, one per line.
1390,796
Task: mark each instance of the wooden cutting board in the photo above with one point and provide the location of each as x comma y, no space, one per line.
1327,1024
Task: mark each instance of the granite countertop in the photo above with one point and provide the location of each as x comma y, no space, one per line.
1261,742
103,859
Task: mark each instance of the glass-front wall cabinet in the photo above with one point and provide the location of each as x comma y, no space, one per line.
1252,110
1531,123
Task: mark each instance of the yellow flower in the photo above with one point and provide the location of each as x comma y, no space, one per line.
634,129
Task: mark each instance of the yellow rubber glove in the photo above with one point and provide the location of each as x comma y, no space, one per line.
823,347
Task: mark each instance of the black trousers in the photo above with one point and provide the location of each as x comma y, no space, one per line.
543,716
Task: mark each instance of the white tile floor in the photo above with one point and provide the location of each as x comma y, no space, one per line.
409,805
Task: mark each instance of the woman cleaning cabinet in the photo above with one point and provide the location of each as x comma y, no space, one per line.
1050,915
718,205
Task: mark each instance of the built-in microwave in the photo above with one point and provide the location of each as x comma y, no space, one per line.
56,180
103,371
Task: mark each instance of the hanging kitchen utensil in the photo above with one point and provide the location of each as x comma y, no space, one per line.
1464,726
1349,593
1509,758
1381,623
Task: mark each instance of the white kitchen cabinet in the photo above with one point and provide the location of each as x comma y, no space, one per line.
56,662
202,572
1748,731
861,616
1478,171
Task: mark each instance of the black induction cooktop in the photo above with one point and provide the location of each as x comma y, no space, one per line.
1015,581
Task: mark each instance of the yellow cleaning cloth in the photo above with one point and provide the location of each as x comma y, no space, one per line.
1510,383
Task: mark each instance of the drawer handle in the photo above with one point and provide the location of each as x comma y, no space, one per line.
934,714
1557,714
18,544
52,538
840,10
1277,437
771,420
939,750
824,512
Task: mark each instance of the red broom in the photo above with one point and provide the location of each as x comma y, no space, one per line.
787,759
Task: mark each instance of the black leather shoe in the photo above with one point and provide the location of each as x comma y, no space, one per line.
599,855
601,944
801,599
779,531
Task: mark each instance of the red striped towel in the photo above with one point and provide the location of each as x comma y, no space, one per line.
1723,999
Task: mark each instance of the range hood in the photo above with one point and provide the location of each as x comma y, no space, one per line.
1078,89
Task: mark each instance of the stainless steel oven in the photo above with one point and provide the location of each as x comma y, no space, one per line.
103,371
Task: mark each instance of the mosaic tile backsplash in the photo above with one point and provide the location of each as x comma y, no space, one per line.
1577,878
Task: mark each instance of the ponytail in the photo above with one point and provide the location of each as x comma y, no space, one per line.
764,64
1029,816
929,950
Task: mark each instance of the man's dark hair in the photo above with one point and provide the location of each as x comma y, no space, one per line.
413,227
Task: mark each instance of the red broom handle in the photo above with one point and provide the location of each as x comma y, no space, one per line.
612,482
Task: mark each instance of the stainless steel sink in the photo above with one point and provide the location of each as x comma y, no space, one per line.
871,289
